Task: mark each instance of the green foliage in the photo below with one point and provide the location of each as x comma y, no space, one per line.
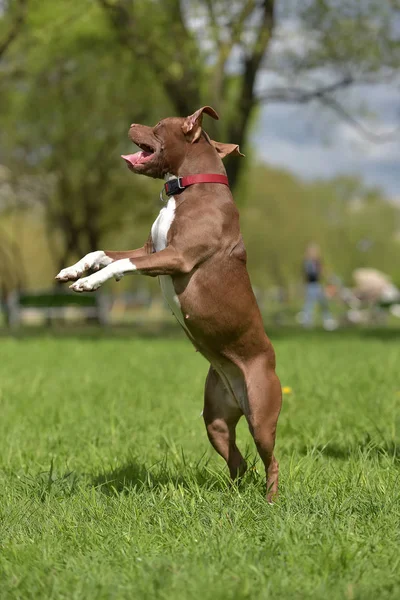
76,74
110,489
71,109
343,26
354,225
280,215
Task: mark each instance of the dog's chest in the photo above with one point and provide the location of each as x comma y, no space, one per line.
162,224
159,234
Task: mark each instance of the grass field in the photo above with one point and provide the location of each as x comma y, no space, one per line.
108,488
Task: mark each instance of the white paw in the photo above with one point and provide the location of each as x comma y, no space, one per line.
93,260
114,270
70,273
87,284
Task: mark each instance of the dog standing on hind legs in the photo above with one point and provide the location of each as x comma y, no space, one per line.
196,249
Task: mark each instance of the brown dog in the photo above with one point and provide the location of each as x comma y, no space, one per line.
196,249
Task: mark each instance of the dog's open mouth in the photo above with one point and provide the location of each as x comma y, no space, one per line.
145,154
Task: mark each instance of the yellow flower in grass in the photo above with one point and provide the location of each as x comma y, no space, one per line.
287,390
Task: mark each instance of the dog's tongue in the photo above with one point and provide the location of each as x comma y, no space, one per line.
134,159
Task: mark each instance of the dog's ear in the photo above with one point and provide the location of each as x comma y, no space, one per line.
192,125
225,149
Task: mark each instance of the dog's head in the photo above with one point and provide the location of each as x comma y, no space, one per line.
165,147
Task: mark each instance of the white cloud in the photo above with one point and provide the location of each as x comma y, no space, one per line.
311,143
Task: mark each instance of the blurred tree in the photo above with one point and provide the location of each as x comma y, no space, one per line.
236,54
71,101
68,93
11,266
11,25
354,225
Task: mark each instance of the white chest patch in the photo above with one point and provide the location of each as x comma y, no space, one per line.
159,233
161,225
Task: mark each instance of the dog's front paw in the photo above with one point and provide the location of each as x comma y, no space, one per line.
70,273
116,271
87,284
93,261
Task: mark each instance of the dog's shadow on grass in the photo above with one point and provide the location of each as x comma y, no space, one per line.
365,447
136,475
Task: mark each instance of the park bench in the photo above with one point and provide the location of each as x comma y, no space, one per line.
54,304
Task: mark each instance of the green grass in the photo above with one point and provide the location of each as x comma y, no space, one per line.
108,488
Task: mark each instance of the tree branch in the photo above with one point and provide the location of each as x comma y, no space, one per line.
214,27
130,36
301,95
19,20
296,95
238,23
371,136
224,48
247,96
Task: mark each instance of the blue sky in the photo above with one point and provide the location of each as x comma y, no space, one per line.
312,142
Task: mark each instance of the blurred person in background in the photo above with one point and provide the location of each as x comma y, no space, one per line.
314,292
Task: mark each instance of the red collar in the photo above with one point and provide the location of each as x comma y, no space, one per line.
176,186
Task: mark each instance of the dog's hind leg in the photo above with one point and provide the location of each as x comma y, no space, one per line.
221,414
264,395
